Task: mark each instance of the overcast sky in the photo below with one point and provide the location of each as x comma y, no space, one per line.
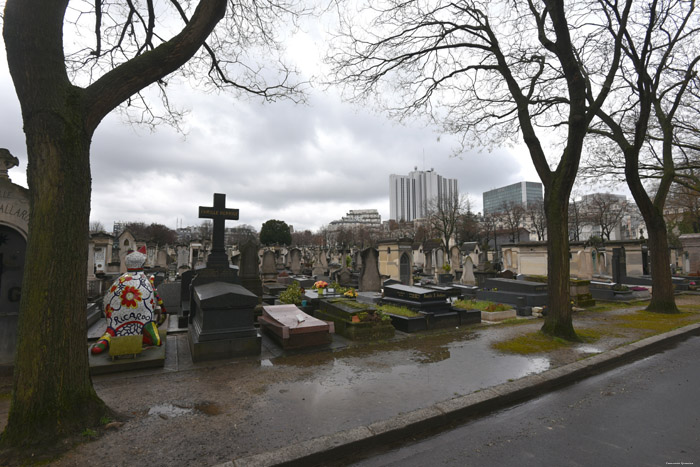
304,164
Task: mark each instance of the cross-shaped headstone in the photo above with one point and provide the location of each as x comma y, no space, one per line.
219,213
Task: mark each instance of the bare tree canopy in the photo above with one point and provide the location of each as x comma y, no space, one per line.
444,213
71,64
652,118
494,71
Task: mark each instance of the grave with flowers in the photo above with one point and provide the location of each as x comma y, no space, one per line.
352,319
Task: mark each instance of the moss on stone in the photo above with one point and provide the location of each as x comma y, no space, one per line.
398,310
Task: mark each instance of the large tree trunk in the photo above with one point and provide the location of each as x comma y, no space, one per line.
662,293
558,321
53,393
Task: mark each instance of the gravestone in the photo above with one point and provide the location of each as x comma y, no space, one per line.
370,281
345,278
468,272
619,266
221,310
222,326
455,255
428,266
513,292
295,261
269,266
249,271
323,260
14,226
185,293
318,268
356,261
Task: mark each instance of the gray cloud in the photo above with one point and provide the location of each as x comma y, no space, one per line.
306,165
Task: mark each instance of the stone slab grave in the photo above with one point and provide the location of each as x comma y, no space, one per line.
620,276
345,314
223,322
431,303
291,328
274,288
606,291
222,311
521,294
149,357
466,291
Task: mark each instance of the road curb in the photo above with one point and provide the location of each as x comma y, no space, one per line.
458,410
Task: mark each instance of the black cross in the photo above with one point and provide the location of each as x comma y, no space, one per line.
219,213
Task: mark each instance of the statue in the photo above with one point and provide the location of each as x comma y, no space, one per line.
130,305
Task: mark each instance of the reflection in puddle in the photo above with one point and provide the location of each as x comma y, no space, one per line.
588,349
265,363
397,379
168,410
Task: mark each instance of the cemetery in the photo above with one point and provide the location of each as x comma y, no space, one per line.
230,299
267,302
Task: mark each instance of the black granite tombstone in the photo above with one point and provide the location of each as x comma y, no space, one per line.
619,265
510,290
223,315
221,310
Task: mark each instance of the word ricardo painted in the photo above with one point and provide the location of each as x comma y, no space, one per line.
130,317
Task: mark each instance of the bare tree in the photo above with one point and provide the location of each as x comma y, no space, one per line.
492,71
96,226
512,216
604,211
443,215
652,118
491,224
536,215
576,219
120,48
683,208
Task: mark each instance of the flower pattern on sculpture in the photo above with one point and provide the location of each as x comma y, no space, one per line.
131,296
124,279
108,311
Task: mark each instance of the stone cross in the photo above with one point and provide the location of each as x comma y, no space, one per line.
219,213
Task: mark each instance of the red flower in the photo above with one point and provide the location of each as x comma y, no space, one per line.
108,311
130,297
114,287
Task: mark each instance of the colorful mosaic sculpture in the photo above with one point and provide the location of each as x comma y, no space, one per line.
130,305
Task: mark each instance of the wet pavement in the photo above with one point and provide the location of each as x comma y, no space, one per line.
213,412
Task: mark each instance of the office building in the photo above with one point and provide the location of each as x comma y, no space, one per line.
517,193
410,195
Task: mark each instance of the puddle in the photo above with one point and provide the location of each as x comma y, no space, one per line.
371,385
169,410
588,349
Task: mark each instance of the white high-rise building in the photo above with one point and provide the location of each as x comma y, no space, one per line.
410,195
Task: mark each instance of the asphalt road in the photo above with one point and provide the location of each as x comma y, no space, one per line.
646,413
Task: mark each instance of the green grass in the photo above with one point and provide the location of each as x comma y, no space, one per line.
658,322
610,306
539,342
89,433
398,310
350,303
482,305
